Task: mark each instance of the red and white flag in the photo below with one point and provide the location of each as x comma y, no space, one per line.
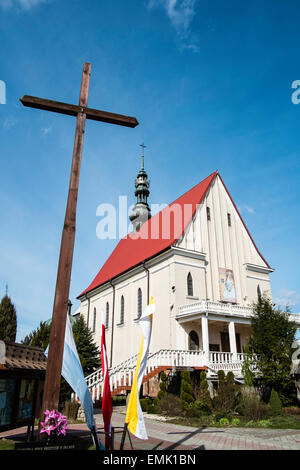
106,394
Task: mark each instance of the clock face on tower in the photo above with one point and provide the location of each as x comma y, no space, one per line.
227,286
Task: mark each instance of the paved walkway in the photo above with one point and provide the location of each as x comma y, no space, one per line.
168,436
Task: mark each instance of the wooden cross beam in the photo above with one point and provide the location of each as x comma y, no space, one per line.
57,335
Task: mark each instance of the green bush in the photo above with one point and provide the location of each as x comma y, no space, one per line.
253,408
203,402
227,397
169,405
235,422
145,403
162,386
186,390
275,404
224,422
220,414
264,423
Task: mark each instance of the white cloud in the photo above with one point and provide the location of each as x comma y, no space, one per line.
287,297
9,122
46,130
23,4
181,14
242,208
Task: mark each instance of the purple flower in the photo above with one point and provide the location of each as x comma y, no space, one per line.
55,423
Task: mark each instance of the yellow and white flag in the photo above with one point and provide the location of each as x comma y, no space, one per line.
134,415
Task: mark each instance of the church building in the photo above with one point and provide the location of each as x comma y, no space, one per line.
198,260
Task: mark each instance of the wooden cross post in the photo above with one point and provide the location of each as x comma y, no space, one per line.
57,335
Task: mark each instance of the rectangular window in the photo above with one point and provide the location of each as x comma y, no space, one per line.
229,220
208,213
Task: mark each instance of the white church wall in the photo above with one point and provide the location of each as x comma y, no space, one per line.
226,244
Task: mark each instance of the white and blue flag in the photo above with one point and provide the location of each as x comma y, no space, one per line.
72,372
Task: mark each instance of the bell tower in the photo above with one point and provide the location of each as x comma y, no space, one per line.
141,211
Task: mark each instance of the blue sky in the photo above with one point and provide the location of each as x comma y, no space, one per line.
210,84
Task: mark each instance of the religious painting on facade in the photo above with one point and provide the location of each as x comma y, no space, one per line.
227,285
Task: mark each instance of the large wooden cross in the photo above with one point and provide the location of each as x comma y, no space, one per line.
57,335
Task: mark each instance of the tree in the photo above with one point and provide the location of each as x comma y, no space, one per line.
246,367
203,400
272,337
8,320
226,398
88,352
39,338
162,386
275,403
186,390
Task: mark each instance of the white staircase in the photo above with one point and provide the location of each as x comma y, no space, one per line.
121,376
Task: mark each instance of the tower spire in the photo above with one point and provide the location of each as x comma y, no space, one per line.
143,156
141,211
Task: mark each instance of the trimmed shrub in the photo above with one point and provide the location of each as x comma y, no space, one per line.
145,403
162,386
235,422
203,402
275,404
224,422
186,390
264,423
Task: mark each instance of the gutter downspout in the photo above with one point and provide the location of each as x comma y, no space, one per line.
112,322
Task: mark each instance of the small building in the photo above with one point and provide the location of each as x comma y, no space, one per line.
22,376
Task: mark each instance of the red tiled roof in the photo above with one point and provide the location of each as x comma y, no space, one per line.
153,237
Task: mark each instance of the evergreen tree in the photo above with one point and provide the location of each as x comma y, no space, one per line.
87,350
39,338
246,367
275,403
272,337
8,320
186,390
203,402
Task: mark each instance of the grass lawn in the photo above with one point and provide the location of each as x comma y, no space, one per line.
7,444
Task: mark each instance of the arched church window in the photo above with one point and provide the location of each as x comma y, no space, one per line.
122,310
107,315
190,289
193,341
258,293
139,303
94,320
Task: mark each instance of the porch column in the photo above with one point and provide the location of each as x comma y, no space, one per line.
232,340
205,339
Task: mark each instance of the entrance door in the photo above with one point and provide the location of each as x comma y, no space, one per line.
226,344
193,341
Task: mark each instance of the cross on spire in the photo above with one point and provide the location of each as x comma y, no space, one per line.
143,147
